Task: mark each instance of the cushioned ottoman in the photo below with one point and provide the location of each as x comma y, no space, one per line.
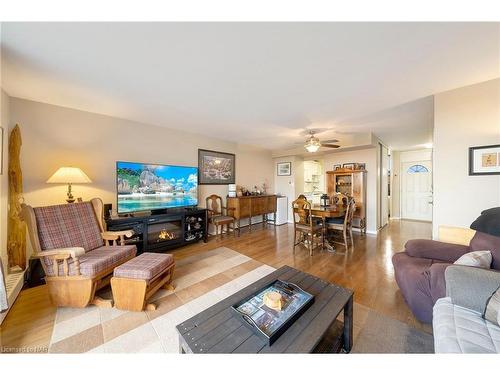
135,281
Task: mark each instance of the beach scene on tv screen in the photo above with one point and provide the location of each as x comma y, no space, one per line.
144,187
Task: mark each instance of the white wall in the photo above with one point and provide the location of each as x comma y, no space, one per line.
465,117
55,136
4,183
399,157
290,186
368,156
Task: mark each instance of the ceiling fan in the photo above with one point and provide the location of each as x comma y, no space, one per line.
313,144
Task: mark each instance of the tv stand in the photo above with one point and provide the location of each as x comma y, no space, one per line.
164,231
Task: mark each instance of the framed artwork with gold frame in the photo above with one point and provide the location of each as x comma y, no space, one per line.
484,160
216,168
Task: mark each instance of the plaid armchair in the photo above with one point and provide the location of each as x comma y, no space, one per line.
77,255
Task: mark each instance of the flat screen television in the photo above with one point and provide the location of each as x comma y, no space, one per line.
155,187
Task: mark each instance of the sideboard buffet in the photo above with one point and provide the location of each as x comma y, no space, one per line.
246,207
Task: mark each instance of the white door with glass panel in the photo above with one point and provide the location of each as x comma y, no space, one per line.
416,190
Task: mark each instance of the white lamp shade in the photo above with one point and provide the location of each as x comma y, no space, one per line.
312,148
69,175
312,144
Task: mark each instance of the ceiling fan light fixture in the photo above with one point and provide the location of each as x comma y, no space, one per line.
312,144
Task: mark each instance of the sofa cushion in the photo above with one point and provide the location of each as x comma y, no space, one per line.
460,330
492,310
222,218
481,259
145,267
437,250
68,225
488,222
483,241
95,261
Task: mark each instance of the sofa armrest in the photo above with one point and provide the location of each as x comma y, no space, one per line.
72,252
437,280
63,254
429,249
471,287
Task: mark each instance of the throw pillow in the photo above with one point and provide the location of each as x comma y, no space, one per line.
492,310
481,259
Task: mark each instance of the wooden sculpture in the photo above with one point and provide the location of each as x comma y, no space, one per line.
16,228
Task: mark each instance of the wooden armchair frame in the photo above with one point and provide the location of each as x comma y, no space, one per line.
216,209
303,223
346,227
74,290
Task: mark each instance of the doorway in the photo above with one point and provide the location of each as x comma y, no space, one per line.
383,204
416,190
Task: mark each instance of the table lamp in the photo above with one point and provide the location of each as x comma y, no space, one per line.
69,175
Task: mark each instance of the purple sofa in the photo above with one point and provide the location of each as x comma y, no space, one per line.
419,270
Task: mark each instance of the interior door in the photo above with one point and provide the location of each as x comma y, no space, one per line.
416,190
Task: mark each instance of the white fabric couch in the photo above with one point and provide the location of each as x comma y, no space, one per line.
457,318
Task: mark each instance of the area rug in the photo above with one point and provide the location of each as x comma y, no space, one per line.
377,333
200,281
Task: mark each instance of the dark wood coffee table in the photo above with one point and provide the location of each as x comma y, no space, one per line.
217,330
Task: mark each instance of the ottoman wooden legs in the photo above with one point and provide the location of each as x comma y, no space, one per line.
133,294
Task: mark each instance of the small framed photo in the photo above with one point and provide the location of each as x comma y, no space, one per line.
336,167
484,160
284,169
360,166
348,166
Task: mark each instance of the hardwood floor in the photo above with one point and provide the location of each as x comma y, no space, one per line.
367,270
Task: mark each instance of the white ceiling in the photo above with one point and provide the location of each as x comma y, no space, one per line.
255,83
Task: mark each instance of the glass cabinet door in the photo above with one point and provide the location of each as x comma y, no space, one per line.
343,184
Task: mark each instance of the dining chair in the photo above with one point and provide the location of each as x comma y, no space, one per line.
339,198
218,215
343,224
305,224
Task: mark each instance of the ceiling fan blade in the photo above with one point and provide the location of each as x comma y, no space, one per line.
330,141
330,146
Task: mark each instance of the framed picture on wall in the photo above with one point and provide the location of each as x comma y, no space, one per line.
284,169
348,166
336,167
484,160
216,168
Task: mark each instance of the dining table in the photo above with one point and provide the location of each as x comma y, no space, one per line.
326,212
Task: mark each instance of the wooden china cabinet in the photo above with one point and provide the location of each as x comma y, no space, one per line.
353,184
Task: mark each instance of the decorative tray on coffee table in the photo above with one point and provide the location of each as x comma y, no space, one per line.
271,322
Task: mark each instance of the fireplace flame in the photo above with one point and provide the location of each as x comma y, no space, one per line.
165,235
